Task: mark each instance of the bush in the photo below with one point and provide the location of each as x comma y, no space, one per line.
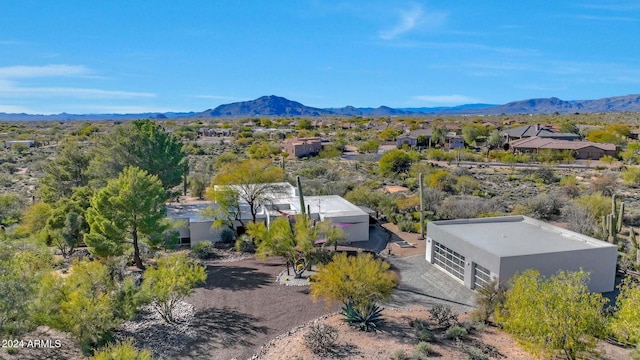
122,350
443,315
202,250
426,335
245,244
456,332
400,354
321,338
474,353
226,236
422,349
366,319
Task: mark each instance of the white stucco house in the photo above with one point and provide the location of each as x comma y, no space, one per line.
197,225
475,250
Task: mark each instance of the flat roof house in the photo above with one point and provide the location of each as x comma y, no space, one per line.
283,202
473,251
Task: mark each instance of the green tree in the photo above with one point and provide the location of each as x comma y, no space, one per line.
370,146
332,234
631,154
20,275
129,207
253,182
296,244
495,140
143,144
553,315
361,280
631,175
625,324
80,303
396,161
470,132
11,206
172,279
65,173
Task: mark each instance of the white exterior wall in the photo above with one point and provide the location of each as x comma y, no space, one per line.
358,231
202,231
599,261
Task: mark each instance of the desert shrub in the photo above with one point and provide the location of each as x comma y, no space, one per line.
202,250
487,298
443,315
122,350
423,349
405,223
605,184
426,335
321,338
226,236
579,219
635,354
400,354
541,206
245,244
366,319
466,207
456,332
423,333
474,353
631,176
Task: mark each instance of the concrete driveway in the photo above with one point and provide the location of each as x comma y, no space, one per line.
421,283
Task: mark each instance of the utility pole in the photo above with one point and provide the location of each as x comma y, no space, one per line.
422,230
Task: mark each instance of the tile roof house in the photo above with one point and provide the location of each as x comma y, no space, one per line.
579,149
527,131
300,147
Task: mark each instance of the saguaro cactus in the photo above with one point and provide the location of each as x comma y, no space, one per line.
303,209
612,223
634,244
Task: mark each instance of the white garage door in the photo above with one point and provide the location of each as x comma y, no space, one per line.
482,277
449,260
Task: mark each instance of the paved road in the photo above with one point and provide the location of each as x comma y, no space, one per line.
423,284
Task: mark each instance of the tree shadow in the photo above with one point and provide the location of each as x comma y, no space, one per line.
222,328
347,350
400,331
236,278
407,294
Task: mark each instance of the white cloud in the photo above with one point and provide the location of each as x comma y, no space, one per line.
24,71
412,19
15,109
445,100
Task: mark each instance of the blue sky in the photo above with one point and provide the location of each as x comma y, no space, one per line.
137,56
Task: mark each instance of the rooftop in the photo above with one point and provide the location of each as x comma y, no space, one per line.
518,235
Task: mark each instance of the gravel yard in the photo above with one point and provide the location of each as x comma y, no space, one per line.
241,307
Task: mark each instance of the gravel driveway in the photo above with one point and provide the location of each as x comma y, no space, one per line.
241,308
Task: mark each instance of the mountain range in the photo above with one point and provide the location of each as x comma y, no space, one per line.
275,106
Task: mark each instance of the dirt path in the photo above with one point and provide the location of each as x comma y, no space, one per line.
241,308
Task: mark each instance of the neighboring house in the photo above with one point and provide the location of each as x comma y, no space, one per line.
350,218
29,143
411,138
453,141
527,131
579,149
474,251
214,132
300,147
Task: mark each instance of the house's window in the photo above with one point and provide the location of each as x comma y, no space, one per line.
449,260
481,277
